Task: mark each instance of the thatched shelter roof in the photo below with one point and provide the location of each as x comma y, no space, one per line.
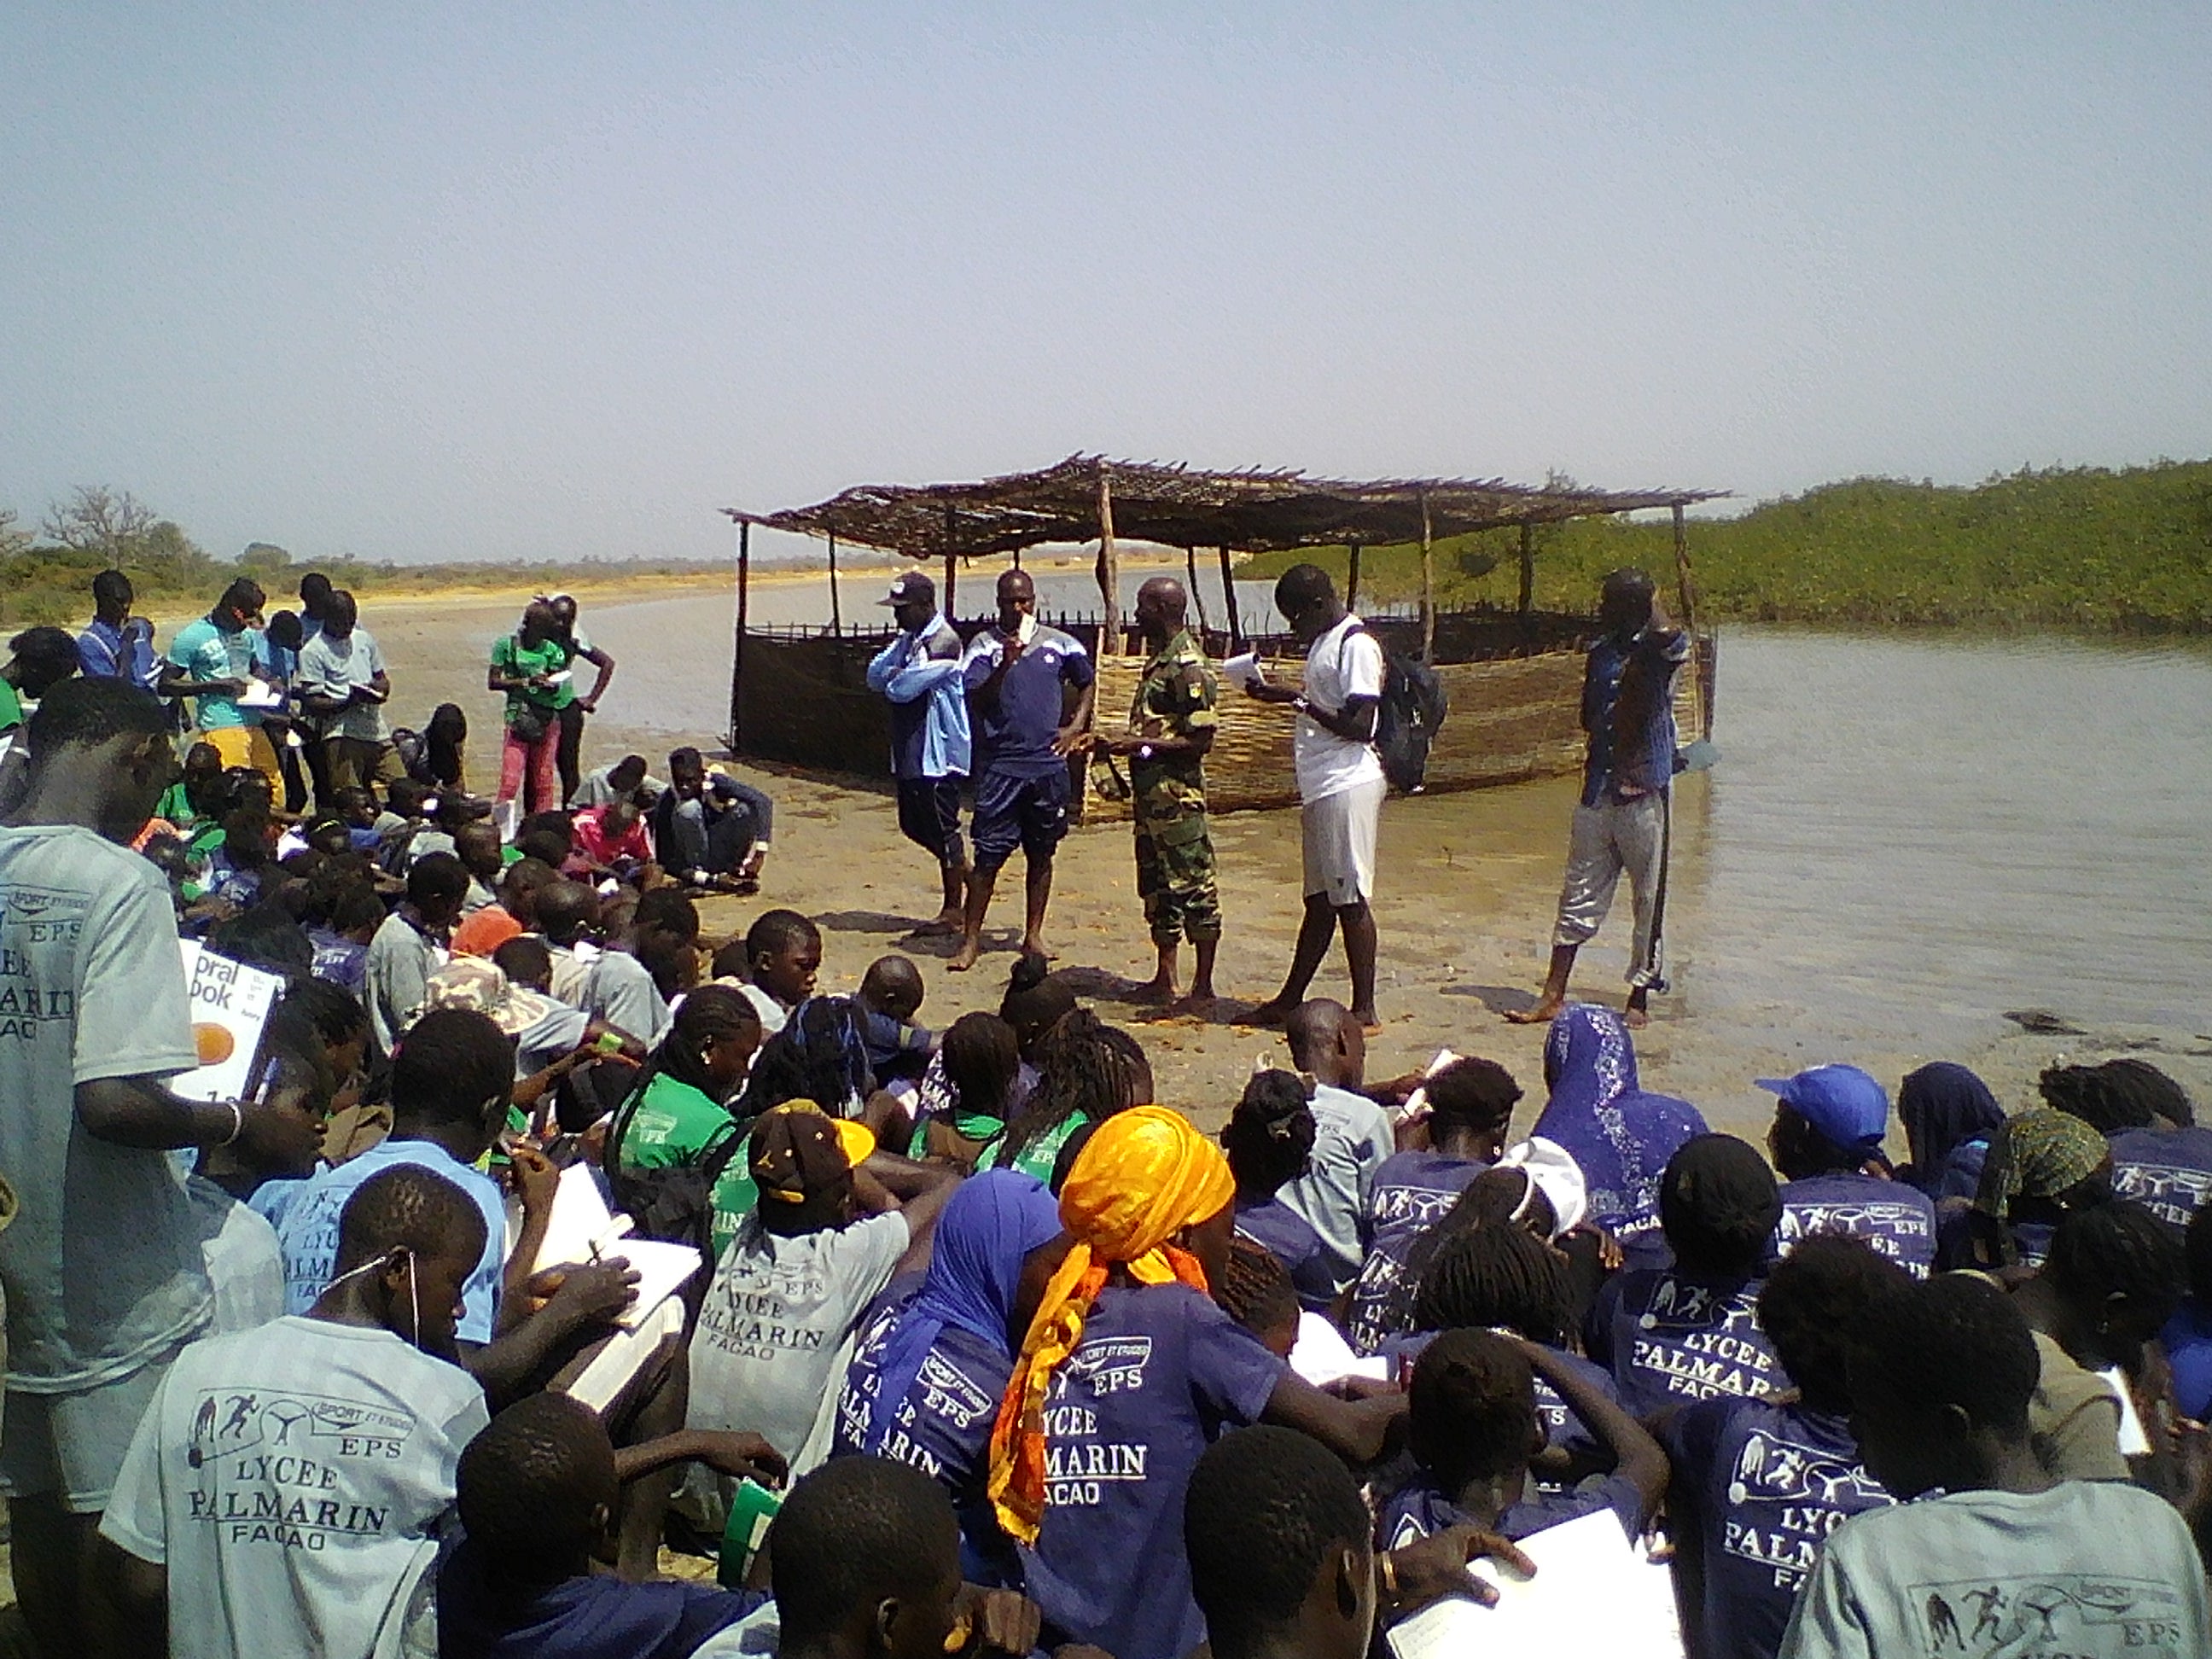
1182,506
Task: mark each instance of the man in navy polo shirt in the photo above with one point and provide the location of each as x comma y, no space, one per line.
1020,675
1826,1142
117,644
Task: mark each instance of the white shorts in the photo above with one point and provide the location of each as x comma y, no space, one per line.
1339,834
69,1447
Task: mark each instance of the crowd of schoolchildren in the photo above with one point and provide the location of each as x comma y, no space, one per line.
988,1349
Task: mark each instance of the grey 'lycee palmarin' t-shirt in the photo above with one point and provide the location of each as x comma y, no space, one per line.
102,1264
777,1329
292,1479
2088,1569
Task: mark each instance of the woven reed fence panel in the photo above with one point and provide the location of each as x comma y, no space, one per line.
807,702
1510,719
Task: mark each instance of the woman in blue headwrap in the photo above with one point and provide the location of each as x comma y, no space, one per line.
925,1383
1620,1136
1948,1116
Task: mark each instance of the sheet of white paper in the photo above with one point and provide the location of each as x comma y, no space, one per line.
230,1004
1592,1593
601,1382
259,693
1417,1103
1241,670
582,1229
2133,1443
1322,1356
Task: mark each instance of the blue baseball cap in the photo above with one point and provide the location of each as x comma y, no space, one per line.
1846,1105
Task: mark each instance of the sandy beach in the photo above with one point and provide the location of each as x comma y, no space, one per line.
1466,887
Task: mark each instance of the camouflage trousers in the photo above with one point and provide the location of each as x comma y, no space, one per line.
1175,878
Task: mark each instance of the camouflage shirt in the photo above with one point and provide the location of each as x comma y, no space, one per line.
1174,699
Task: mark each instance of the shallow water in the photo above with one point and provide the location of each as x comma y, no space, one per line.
1912,834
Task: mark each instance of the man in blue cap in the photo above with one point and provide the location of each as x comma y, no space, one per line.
1826,1142
919,673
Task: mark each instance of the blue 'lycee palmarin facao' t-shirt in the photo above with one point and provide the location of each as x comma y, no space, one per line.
1015,729
1160,1372
1669,1335
1897,1220
1288,1236
943,1428
2169,1170
1413,1192
1763,1486
1419,1509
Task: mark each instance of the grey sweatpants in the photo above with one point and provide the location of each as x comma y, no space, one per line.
1606,840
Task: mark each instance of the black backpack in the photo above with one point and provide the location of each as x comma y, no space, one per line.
1409,718
676,1203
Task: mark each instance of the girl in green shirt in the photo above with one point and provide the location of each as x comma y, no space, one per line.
676,1118
530,667
1087,1071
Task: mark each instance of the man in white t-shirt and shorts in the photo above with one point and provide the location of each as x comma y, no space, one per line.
1341,785
101,1265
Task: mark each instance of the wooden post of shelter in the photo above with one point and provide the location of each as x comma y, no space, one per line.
1109,571
1351,580
737,645
1527,569
1683,586
836,619
1229,599
951,559
1428,586
1700,662
1198,598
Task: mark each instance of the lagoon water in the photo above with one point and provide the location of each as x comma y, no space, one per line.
1918,832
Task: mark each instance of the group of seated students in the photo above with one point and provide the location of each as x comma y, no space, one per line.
990,1350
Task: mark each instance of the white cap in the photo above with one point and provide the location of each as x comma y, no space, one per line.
1552,1170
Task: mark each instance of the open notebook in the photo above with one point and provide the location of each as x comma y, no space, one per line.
583,1230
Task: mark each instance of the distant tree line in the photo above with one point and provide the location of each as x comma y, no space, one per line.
46,574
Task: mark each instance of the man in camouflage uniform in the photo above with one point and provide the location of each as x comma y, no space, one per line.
1171,725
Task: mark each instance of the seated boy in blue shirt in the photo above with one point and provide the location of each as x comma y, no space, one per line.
898,1049
538,1489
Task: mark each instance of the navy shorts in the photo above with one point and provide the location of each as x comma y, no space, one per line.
929,817
1030,813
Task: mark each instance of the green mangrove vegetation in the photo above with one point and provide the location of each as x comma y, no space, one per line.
2082,549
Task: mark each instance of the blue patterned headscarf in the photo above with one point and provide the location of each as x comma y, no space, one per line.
1620,1136
987,1230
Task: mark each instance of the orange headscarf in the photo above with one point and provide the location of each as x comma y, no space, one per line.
1143,1175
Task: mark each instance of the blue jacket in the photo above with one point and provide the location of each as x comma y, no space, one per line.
929,704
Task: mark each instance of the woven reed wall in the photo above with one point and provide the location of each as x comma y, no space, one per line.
805,701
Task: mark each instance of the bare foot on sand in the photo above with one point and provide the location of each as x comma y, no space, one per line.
1269,1013
1633,1018
1370,1023
1154,993
964,958
945,925
1034,945
1544,1012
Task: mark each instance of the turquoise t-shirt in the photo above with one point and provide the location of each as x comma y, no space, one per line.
206,653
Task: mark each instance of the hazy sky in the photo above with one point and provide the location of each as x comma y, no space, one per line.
560,280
